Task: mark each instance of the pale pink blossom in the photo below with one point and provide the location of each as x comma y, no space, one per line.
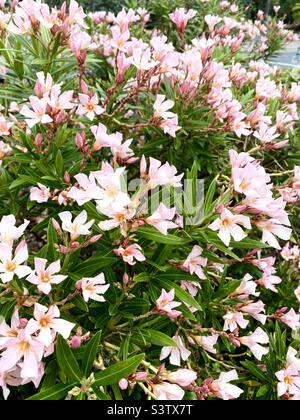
40,194
12,262
289,381
8,230
47,323
131,253
266,134
142,59
160,174
88,189
93,288
79,226
38,113
5,127
176,353
272,228
165,304
291,319
234,320
23,348
195,263
212,21
6,331
228,226
170,126
246,288
181,17
181,377
162,106
223,389
269,282
44,278
162,218
89,106
168,392
207,342
255,309
297,293
254,342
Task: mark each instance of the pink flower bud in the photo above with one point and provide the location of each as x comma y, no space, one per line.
84,87
79,141
94,239
38,140
75,342
67,177
23,323
140,376
125,279
123,384
56,227
79,285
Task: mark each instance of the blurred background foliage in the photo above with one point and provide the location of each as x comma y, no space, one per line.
290,8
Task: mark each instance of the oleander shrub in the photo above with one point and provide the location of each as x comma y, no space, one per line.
149,187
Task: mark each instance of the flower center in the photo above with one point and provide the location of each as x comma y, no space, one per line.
10,266
12,333
24,346
111,191
45,322
90,106
288,380
226,223
45,277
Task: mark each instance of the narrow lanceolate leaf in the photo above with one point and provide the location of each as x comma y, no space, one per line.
66,360
55,393
179,292
90,353
159,238
113,374
158,338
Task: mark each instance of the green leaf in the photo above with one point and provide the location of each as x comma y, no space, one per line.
256,371
90,353
66,360
209,196
159,238
113,374
158,338
179,292
59,164
55,393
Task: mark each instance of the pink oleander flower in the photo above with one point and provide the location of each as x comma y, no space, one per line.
142,59
234,320
40,194
212,21
48,323
269,282
160,174
93,288
207,342
5,127
44,278
195,263
117,219
88,189
162,218
255,309
228,226
162,106
181,377
254,340
271,228
38,113
131,253
23,348
6,331
239,160
223,389
168,392
8,230
291,319
247,287
176,353
79,226
289,381
170,126
44,85
165,304
119,38
89,106
79,43
292,359
181,17
103,139
12,262
266,134
267,89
